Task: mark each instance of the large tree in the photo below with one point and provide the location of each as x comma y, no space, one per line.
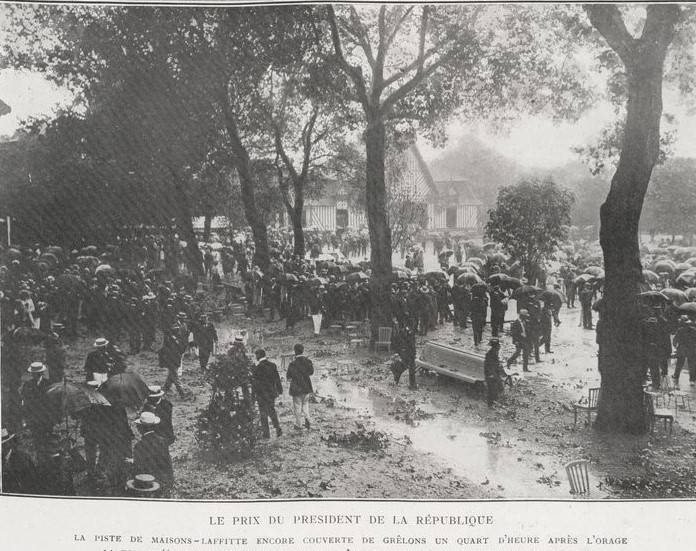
410,66
530,219
642,59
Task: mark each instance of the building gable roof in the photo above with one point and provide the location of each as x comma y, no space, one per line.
462,189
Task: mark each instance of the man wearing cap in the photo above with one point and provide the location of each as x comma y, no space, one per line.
299,373
156,403
522,334
151,452
493,372
267,387
36,410
18,469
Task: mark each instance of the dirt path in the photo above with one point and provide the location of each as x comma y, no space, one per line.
440,441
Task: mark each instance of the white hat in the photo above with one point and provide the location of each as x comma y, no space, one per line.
6,436
147,418
144,483
101,341
37,367
155,391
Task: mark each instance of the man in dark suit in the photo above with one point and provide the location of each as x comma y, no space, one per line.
522,334
18,469
156,403
105,359
205,335
267,387
37,413
299,372
151,452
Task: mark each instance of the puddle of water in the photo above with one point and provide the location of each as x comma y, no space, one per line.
462,447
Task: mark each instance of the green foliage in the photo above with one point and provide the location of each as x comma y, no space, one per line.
670,205
226,427
530,219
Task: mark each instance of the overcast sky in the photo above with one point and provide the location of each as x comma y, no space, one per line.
531,141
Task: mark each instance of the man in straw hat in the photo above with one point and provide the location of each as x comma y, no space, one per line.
18,469
37,413
267,387
151,452
156,403
105,360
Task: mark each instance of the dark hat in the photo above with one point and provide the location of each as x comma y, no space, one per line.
260,353
494,342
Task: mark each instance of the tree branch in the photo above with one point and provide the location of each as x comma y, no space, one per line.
606,18
354,73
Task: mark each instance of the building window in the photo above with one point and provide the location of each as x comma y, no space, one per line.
451,217
341,218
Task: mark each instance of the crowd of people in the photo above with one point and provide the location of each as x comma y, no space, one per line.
135,295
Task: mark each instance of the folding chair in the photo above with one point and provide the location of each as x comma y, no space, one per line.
590,406
656,414
384,335
578,477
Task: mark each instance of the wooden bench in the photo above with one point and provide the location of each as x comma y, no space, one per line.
453,362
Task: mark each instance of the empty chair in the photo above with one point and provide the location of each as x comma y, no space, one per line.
578,477
656,414
384,335
590,406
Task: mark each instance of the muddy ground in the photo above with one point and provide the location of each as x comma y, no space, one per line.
440,441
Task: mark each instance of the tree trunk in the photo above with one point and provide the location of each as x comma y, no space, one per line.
378,223
621,406
184,224
207,223
297,230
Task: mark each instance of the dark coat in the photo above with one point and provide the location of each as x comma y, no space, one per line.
299,372
516,333
163,409
151,456
266,381
36,410
18,473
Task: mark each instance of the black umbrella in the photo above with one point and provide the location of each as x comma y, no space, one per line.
469,278
689,307
128,389
357,277
70,398
524,291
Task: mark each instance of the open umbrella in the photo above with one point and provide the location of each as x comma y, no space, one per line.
685,280
524,291
436,274
317,282
689,307
476,261
398,274
127,388
479,289
469,278
650,277
593,270
691,293
472,266
551,296
497,258
664,266
675,295
70,398
653,297
584,278
446,252
357,277
104,269
489,246
289,277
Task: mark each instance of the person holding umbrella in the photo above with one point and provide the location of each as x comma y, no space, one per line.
95,432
